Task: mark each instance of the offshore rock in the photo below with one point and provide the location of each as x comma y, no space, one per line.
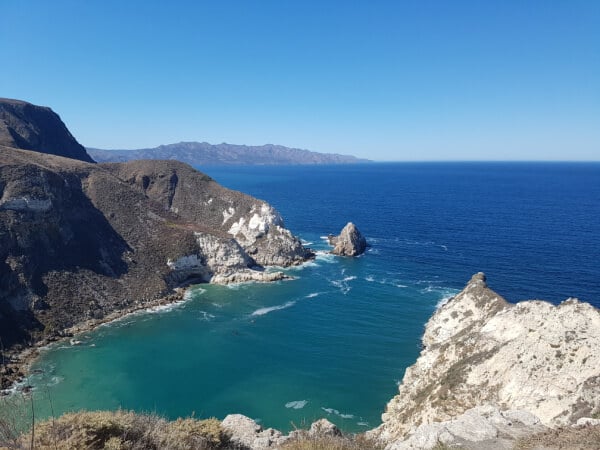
533,357
350,241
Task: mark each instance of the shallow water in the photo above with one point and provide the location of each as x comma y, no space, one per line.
335,340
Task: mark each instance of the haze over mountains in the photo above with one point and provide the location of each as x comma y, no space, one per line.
205,154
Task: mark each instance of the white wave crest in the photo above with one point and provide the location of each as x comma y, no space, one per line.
193,291
442,301
206,316
326,257
296,404
313,295
337,413
263,311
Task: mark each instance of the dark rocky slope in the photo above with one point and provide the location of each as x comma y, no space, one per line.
32,127
79,241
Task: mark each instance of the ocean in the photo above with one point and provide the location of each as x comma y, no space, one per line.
334,342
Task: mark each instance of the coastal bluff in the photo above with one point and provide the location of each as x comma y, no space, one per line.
81,241
491,372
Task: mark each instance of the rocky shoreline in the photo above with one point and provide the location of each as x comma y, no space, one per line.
16,362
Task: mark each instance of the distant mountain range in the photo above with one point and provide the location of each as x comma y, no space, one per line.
205,154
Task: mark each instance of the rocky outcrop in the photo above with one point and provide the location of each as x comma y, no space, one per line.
482,427
31,127
79,241
485,361
235,222
245,433
350,241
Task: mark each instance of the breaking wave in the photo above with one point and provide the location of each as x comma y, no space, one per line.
263,311
297,404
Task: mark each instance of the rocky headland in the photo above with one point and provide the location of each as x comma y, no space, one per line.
80,241
491,372
350,241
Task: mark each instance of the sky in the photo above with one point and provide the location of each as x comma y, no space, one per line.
385,80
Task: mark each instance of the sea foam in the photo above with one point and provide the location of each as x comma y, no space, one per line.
297,404
263,311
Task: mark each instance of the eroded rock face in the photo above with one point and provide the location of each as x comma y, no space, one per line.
350,241
534,357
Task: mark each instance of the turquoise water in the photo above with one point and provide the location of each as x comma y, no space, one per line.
335,340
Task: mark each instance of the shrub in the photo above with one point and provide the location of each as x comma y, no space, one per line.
124,430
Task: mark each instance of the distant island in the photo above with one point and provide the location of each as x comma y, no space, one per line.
205,154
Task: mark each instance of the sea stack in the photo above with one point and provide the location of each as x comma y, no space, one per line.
350,241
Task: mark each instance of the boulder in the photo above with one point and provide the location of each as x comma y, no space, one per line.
324,427
245,433
350,241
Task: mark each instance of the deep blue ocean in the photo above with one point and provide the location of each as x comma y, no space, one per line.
336,340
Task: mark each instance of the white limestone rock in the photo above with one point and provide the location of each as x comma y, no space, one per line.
246,433
324,427
539,359
480,427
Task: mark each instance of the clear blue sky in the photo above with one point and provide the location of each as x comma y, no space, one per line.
397,80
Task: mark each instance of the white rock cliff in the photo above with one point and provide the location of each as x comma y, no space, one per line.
485,361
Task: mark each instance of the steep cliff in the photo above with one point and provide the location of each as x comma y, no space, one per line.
79,240
487,365
32,127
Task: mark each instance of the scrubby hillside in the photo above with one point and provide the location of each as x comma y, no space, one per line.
79,241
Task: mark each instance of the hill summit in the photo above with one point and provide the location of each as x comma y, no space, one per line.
38,128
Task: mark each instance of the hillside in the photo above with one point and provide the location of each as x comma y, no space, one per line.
32,127
79,241
205,154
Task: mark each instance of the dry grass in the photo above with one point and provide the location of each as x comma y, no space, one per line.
585,438
123,430
358,442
